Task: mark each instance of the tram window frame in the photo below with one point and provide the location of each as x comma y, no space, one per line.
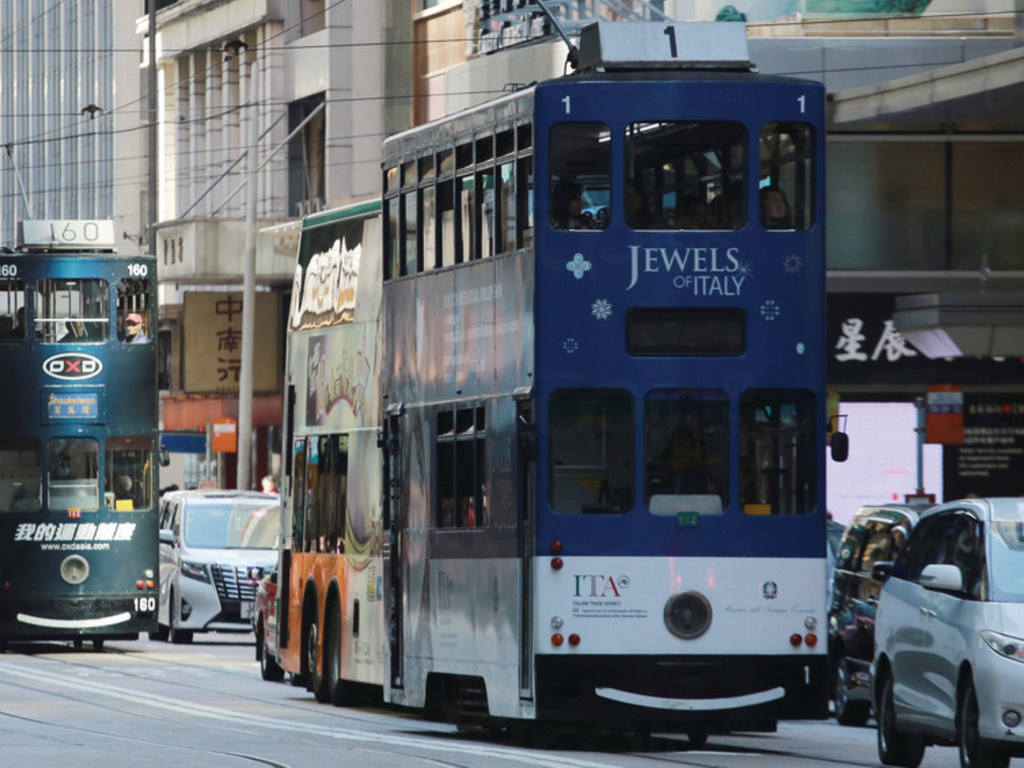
469,229
20,461
486,212
134,296
13,309
790,172
686,451
60,318
525,200
696,180
131,457
591,462
428,227
81,484
461,467
767,417
325,511
507,206
579,158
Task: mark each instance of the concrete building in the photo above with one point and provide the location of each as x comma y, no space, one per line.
72,116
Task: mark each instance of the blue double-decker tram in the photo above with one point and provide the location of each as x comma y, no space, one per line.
78,436
604,394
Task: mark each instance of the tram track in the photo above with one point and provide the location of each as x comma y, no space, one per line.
304,724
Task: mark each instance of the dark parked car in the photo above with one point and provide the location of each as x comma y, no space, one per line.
877,533
264,626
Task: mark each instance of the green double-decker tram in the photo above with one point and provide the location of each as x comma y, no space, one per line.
78,436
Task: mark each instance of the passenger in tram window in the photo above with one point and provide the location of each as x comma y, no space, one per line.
775,209
62,471
133,332
567,205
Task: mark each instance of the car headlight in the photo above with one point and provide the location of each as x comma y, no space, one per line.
1004,645
195,571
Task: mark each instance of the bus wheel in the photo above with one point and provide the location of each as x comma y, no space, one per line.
317,684
332,658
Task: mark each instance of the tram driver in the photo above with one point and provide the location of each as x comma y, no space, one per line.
133,331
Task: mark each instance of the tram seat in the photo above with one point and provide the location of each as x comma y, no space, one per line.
701,503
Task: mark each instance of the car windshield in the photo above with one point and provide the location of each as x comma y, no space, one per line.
232,525
1007,559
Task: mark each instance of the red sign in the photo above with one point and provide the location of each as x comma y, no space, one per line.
944,414
225,436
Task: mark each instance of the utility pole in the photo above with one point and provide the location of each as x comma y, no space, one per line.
248,287
152,134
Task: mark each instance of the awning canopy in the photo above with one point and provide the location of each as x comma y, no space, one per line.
984,94
963,324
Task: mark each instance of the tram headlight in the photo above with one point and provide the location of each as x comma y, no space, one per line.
688,615
74,569
195,571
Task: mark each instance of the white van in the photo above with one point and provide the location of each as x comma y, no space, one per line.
215,546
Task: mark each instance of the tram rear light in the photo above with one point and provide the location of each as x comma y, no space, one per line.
556,546
140,584
811,640
795,639
556,563
150,584
557,639
574,639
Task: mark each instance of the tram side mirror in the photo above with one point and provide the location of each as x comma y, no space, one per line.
840,446
165,456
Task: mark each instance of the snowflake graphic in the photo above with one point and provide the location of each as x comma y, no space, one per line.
746,270
570,345
601,309
792,263
578,266
770,310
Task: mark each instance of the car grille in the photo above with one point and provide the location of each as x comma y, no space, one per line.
234,583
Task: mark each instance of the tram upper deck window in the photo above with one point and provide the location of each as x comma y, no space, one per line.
72,310
686,451
579,186
134,311
19,474
591,451
786,177
686,175
73,468
777,458
12,309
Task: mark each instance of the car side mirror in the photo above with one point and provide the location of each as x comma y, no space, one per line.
839,443
947,578
881,570
166,536
165,456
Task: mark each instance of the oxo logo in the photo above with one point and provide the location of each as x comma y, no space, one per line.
72,366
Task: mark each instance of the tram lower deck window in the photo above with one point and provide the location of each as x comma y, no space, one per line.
678,331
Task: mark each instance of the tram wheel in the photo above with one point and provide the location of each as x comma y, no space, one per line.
97,645
697,737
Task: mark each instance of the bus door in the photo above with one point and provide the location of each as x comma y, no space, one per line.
526,509
297,506
393,521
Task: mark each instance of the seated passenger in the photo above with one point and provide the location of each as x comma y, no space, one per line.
775,209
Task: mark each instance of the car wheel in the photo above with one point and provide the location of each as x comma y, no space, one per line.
974,753
895,748
175,634
317,683
847,712
269,668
